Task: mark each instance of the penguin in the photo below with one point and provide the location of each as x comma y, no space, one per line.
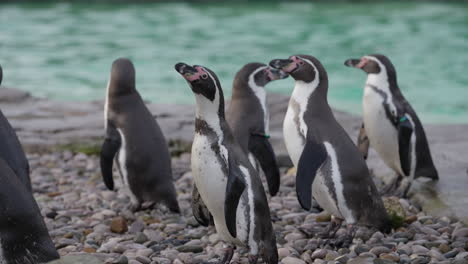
24,238
248,118
228,184
329,166
11,150
134,139
391,126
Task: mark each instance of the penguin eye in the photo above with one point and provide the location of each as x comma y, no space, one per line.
301,62
204,76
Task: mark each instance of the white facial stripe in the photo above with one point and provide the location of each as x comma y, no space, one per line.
260,93
208,111
337,181
380,80
302,92
252,244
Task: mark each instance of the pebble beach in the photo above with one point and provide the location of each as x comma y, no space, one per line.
85,219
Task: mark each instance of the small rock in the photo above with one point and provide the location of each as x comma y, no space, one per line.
89,250
292,260
390,256
140,238
444,248
342,259
421,260
319,254
283,252
143,259
136,227
462,255
121,260
331,255
361,248
361,260
323,217
119,225
452,253
190,248
379,250
410,219
460,233
417,249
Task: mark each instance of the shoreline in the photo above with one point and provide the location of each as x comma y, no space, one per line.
45,125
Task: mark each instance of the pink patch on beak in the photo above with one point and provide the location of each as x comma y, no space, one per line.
362,63
194,76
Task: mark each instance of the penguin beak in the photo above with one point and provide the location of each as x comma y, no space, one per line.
188,72
355,63
286,65
276,74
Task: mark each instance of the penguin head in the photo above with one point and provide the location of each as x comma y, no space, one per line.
371,64
202,80
301,67
257,74
122,77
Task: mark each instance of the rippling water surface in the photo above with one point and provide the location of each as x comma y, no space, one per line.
64,51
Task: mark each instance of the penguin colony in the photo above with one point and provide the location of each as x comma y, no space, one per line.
231,152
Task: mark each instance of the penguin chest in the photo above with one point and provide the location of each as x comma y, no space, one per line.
383,136
209,172
293,134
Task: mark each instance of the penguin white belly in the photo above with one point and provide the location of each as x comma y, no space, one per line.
292,138
211,184
383,136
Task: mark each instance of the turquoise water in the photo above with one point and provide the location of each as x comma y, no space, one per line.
64,51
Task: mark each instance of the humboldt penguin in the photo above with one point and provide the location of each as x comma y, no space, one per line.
329,166
134,139
11,150
391,126
24,238
248,117
228,184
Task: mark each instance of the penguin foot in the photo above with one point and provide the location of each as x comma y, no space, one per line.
227,256
135,207
392,188
253,259
346,240
331,230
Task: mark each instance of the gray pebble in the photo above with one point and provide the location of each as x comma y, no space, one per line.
379,250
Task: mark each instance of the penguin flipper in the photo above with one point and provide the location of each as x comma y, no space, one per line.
263,151
363,142
312,157
405,130
109,148
234,189
200,212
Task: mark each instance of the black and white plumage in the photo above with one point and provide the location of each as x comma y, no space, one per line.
329,166
248,117
390,124
135,141
11,150
227,182
24,238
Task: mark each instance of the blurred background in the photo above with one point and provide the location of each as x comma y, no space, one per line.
63,50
